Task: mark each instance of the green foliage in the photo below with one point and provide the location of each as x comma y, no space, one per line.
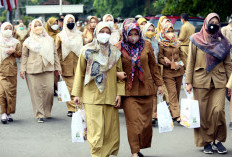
159,5
27,19
198,7
3,17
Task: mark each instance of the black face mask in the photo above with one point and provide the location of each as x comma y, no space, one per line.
213,28
70,25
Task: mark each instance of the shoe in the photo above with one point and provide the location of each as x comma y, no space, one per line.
40,120
140,154
230,126
219,148
69,114
154,121
4,118
208,149
9,118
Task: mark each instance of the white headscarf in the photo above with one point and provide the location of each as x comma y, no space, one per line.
42,44
153,41
71,39
115,34
21,33
6,43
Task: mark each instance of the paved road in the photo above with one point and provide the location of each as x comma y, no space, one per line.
26,138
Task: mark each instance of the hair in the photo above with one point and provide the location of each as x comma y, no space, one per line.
185,16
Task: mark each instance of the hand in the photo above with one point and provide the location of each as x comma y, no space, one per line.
77,100
167,61
59,72
121,75
118,102
160,90
177,65
189,88
229,92
23,74
10,51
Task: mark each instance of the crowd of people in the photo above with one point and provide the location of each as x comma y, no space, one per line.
108,66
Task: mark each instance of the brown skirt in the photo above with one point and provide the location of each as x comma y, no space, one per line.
138,114
212,114
8,86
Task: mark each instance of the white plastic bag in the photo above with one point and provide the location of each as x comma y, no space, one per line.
78,126
189,112
165,122
63,93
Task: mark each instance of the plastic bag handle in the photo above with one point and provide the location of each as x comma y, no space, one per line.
160,98
61,78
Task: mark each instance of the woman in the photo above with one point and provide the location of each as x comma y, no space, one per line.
142,21
21,33
10,49
140,66
88,32
52,27
39,61
96,82
161,22
68,44
208,69
173,61
115,33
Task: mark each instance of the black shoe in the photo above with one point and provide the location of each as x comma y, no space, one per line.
208,149
4,121
40,120
154,121
69,114
140,154
219,148
230,126
10,119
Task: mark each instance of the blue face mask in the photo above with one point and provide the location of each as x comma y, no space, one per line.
21,28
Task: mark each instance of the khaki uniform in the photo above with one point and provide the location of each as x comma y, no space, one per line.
102,118
227,32
68,66
172,78
8,82
40,81
209,90
187,29
21,38
138,102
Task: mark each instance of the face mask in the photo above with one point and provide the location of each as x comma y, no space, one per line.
103,38
111,24
38,30
7,33
21,28
78,24
70,25
170,36
55,27
213,28
149,34
133,40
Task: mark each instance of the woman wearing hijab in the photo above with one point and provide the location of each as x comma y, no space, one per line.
69,43
115,33
173,61
142,21
10,49
96,82
208,69
88,32
52,27
142,72
39,61
161,22
21,33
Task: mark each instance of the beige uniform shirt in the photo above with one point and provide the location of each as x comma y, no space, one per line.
187,29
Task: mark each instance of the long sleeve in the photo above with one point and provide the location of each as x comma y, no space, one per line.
18,51
227,65
190,63
57,61
161,57
183,34
154,68
58,46
182,57
24,58
78,83
120,84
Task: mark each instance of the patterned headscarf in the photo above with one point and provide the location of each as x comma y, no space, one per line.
164,40
216,46
132,51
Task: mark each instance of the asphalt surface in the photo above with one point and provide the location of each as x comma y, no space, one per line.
26,138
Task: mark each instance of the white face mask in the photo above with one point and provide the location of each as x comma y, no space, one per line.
55,27
111,24
103,38
7,33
